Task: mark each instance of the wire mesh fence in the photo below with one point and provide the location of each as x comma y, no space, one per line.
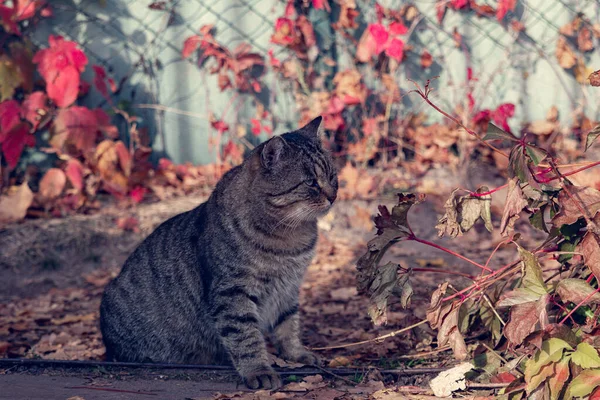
139,42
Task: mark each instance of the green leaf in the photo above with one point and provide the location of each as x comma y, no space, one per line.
583,384
532,272
551,351
495,133
545,372
592,136
537,220
586,356
517,164
536,154
517,296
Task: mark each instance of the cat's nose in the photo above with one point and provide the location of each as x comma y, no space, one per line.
331,197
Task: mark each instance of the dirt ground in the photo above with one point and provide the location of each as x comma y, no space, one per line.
54,271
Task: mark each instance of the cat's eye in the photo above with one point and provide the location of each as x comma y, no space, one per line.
312,183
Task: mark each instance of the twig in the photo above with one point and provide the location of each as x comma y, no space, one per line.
391,334
582,302
487,300
348,381
423,241
477,385
425,353
111,390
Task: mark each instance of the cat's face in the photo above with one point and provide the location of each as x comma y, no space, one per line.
298,177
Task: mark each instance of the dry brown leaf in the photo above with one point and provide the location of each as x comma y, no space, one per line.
584,39
14,204
564,53
349,87
570,212
594,78
523,319
310,382
339,361
590,248
515,203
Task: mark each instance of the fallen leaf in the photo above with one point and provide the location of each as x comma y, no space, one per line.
128,224
449,381
339,361
15,203
344,294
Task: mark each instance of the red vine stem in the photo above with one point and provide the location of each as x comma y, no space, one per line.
455,254
443,271
456,121
582,302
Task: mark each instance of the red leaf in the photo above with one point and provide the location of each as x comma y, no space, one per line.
523,319
25,9
505,6
398,28
458,4
138,193
380,34
8,22
35,107
502,113
306,28
78,126
289,9
426,59
74,171
10,116
220,126
52,184
99,79
128,224
321,5
14,141
396,49
125,161
190,45
440,10
469,74
256,128
61,66
231,150
285,32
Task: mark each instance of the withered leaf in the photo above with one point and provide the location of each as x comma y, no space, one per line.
587,197
14,203
564,53
390,279
590,248
577,290
449,333
434,312
463,212
592,135
52,184
523,319
515,203
594,78
380,282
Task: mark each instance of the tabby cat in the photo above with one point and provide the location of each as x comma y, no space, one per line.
208,284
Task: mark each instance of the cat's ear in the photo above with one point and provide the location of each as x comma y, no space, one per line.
313,130
272,151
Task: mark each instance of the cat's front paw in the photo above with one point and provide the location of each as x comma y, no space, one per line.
306,358
264,377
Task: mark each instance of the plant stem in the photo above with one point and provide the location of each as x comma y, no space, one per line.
416,239
456,121
443,271
582,302
475,194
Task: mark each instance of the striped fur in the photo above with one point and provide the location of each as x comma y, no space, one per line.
207,286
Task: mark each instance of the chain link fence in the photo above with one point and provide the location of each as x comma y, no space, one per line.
139,43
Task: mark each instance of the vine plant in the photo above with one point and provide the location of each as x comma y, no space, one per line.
552,324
